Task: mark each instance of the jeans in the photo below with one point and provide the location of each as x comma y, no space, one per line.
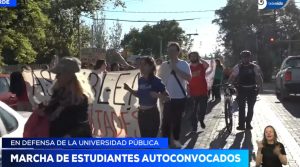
149,122
246,95
172,115
199,109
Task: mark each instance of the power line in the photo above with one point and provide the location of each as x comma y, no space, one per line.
141,21
158,12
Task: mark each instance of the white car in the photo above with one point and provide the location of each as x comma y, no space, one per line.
288,78
11,123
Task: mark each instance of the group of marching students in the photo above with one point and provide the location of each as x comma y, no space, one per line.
168,85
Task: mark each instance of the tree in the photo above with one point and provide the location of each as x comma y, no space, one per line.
65,15
22,32
36,30
99,33
115,36
148,40
243,26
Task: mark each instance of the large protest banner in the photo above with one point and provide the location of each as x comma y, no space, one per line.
114,110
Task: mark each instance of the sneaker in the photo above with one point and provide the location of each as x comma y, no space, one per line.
240,128
249,127
177,143
203,126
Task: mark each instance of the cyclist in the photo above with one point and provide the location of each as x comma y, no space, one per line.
249,82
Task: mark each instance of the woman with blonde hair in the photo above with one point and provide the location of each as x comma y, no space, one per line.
68,107
270,153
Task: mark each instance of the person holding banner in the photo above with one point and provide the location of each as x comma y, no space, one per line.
270,153
150,88
175,74
198,89
68,107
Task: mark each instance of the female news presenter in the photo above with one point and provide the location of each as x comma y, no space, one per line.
270,153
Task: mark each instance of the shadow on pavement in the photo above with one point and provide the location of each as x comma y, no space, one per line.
220,140
292,105
211,104
243,140
237,141
191,138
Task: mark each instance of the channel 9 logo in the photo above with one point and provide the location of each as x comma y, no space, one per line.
262,4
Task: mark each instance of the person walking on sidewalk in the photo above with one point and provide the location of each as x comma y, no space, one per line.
270,153
175,74
216,91
198,89
150,88
249,82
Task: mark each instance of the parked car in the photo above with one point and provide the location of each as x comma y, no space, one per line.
288,78
6,96
11,123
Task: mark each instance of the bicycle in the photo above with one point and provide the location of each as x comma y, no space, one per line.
229,91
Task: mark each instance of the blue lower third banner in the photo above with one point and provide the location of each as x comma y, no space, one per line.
124,158
85,143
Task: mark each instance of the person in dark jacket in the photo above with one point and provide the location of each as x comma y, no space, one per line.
68,107
249,83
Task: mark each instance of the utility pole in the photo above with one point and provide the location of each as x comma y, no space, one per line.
160,47
79,45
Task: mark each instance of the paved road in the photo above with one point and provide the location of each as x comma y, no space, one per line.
284,116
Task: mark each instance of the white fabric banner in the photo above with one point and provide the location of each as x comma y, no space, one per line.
114,110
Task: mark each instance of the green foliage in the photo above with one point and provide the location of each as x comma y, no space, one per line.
115,36
36,30
243,26
148,39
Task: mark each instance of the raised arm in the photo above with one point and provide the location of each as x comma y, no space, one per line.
205,64
259,155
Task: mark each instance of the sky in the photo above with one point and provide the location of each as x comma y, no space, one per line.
204,43
206,40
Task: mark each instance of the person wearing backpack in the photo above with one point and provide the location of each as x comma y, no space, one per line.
175,74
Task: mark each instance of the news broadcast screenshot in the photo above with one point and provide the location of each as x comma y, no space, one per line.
150,83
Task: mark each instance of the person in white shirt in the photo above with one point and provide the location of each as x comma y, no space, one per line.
175,74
